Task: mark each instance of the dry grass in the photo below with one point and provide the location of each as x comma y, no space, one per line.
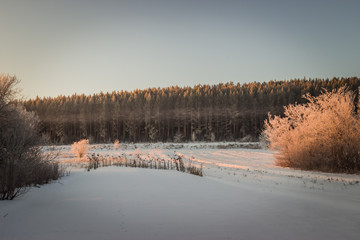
96,160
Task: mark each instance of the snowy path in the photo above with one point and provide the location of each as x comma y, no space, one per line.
126,203
259,201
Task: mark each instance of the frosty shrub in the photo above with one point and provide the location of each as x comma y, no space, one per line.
80,148
323,134
116,144
22,163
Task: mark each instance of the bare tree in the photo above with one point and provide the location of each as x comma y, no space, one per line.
22,163
323,134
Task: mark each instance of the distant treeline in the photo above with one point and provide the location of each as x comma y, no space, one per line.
201,113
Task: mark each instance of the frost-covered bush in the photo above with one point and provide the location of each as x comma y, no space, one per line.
80,148
323,134
116,144
22,163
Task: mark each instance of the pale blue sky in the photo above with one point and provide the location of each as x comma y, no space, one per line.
86,46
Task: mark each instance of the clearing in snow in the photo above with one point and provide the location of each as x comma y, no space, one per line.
241,196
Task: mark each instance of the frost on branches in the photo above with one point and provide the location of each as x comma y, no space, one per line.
80,148
323,134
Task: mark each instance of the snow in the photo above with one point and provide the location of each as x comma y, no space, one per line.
241,196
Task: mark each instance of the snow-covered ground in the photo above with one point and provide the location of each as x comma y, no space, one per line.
241,196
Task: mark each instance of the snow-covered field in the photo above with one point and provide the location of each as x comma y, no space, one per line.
241,196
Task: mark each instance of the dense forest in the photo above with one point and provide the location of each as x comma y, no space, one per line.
201,113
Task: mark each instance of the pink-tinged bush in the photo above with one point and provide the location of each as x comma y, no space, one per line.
80,148
323,134
116,144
